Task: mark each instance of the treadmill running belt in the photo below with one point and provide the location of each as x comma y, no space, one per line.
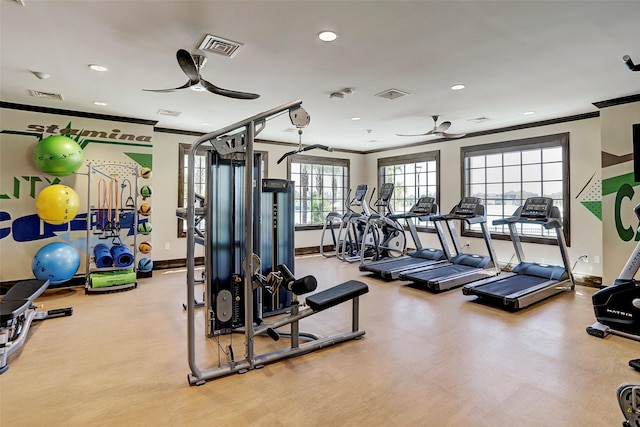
425,276
388,265
509,285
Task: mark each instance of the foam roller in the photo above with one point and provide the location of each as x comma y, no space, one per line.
102,255
122,255
112,278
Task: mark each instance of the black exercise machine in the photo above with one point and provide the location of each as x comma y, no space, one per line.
528,282
351,232
383,234
17,312
345,232
617,307
463,268
390,268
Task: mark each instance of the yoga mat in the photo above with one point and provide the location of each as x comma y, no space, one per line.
122,255
102,255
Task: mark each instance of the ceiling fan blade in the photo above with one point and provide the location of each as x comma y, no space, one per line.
442,127
226,92
431,132
184,86
188,66
453,135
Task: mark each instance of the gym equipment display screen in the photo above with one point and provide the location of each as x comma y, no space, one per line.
537,207
467,206
424,205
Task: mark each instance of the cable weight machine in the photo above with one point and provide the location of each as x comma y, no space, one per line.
234,257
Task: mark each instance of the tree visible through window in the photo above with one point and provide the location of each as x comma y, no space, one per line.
320,187
413,176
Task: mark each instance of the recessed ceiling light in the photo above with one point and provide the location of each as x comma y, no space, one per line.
197,88
355,118
96,67
327,36
100,103
529,113
458,87
205,124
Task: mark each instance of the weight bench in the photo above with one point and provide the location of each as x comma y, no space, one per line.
323,300
17,311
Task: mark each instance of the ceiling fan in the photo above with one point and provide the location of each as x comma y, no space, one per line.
439,130
191,66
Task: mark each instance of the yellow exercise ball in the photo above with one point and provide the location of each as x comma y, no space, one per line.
57,204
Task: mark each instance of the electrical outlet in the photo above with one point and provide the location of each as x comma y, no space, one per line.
585,258
167,246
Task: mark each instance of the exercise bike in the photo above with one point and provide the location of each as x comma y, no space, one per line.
617,307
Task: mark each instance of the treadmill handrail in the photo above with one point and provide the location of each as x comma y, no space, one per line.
548,223
471,219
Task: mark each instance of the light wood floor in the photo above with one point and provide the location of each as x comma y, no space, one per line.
426,360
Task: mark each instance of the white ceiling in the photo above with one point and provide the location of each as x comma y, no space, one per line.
552,57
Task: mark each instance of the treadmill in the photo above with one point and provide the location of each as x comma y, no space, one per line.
462,268
390,268
528,282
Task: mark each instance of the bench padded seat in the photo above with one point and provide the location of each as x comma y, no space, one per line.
19,298
336,295
9,310
27,289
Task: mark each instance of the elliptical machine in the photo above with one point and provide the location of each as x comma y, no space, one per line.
617,307
383,234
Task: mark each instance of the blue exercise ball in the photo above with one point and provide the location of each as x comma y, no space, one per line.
145,264
57,262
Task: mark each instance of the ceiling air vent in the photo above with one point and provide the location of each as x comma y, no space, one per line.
169,113
220,46
46,95
392,94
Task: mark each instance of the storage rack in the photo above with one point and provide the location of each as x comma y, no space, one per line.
115,174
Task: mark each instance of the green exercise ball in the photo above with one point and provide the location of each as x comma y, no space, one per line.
58,155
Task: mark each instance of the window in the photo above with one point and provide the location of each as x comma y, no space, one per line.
200,178
505,174
413,176
320,187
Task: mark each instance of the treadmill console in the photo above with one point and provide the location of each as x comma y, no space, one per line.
423,206
537,208
468,206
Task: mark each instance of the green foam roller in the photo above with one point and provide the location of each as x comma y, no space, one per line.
112,278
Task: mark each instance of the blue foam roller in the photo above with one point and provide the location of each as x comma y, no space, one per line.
122,255
102,255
